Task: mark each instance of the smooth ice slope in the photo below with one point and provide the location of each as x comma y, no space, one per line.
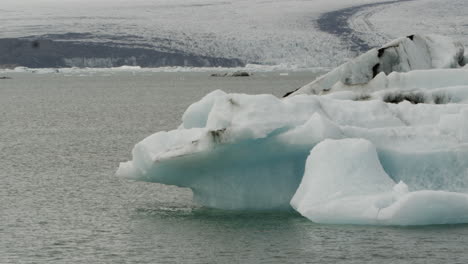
344,183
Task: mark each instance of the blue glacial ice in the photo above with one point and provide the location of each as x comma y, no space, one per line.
391,149
353,188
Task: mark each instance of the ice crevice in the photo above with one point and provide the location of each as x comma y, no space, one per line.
349,148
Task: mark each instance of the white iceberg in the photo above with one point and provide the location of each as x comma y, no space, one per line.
415,52
344,183
238,151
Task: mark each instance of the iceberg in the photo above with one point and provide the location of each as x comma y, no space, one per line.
414,52
391,149
353,188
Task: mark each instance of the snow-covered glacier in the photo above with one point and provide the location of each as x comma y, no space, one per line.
363,144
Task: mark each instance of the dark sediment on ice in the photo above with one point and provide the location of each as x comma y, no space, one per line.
48,53
336,23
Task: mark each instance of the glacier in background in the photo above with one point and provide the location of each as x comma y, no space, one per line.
382,139
112,33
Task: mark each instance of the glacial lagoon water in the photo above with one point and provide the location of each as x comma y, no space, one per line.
62,137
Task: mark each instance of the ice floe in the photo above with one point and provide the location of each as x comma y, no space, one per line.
354,147
344,183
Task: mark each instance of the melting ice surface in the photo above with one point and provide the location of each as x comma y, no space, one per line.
382,139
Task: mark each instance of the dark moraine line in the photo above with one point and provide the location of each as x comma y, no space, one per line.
336,23
48,53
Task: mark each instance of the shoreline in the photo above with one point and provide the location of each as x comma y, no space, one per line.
250,68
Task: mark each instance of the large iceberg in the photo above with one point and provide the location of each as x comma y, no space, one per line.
389,149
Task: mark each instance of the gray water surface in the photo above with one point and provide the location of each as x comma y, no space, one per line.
62,138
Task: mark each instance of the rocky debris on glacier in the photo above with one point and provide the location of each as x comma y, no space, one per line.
232,74
386,146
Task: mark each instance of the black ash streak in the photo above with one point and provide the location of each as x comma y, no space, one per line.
336,23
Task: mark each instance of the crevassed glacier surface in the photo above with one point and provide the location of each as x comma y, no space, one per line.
387,148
